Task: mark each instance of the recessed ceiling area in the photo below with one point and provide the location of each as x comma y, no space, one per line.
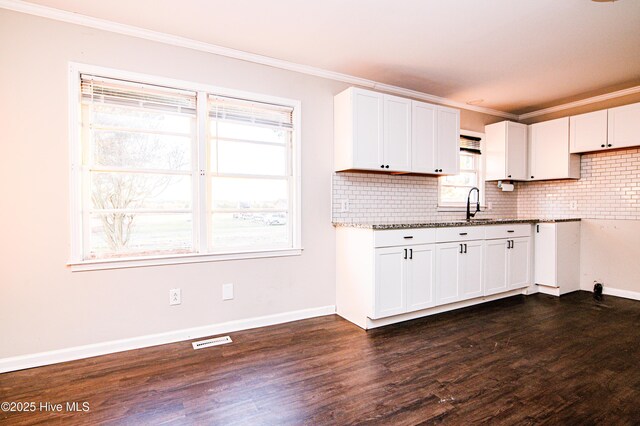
512,56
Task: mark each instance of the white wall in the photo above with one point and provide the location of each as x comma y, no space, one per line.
609,254
44,306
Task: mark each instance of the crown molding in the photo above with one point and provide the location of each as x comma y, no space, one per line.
129,30
582,102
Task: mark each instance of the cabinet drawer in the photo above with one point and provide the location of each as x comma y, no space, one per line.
403,237
460,233
507,231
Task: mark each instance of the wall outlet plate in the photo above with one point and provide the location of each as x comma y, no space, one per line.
573,205
227,291
175,296
344,206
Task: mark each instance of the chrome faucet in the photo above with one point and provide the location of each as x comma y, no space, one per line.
469,214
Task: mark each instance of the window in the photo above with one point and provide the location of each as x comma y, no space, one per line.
161,171
453,190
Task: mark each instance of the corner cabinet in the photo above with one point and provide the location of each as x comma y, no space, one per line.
506,151
549,156
379,132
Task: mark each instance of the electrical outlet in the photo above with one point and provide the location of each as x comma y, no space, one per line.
227,291
175,296
489,205
344,206
573,205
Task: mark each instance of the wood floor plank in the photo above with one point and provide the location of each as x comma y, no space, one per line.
522,360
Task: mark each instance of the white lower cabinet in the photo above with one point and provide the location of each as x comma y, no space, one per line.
420,275
519,263
495,276
390,279
403,279
557,254
385,275
507,265
458,271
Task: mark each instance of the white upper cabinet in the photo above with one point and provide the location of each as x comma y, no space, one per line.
448,141
423,137
588,132
374,131
435,139
358,123
624,126
549,156
397,133
506,151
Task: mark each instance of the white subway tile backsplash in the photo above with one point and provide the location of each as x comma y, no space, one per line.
609,189
384,198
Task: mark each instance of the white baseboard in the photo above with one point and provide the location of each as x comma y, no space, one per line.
621,293
87,351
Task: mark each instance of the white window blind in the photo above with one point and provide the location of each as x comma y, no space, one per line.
453,190
250,174
137,169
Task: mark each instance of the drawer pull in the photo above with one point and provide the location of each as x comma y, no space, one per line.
463,233
408,237
511,230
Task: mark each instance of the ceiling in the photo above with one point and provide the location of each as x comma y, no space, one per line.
515,56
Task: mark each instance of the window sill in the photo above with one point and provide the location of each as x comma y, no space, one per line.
136,262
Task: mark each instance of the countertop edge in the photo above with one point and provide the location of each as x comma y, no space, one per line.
446,224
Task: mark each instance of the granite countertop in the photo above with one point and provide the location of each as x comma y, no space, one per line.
447,223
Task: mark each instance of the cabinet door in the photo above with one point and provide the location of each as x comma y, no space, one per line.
367,129
420,277
423,137
495,151
549,149
495,276
519,263
516,156
448,140
397,133
545,255
471,269
447,257
389,298
588,132
624,126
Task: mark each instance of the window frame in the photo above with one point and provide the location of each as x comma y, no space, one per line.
200,184
455,207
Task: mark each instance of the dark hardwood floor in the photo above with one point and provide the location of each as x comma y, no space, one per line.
522,360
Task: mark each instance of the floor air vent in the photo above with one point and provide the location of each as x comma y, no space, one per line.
211,342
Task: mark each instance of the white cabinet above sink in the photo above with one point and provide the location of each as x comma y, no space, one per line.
383,133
